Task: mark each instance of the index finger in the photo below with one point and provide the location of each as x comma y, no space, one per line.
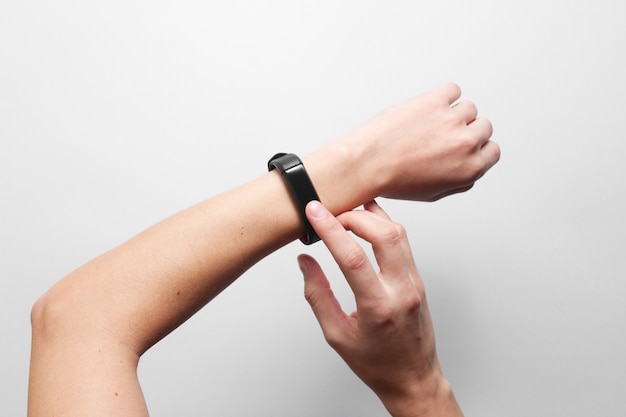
348,254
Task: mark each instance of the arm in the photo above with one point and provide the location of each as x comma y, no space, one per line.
91,327
389,340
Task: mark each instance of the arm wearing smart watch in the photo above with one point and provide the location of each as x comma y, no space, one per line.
90,328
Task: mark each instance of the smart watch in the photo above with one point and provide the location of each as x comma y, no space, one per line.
300,187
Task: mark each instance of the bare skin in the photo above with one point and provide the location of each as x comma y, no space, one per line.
389,341
90,328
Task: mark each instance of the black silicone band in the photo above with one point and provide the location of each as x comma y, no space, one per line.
300,187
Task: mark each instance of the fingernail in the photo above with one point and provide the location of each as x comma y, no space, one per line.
317,210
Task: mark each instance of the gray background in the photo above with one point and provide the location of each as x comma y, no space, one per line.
116,114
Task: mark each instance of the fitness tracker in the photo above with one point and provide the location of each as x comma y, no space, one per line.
300,187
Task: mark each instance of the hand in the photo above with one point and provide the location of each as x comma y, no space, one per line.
389,340
426,148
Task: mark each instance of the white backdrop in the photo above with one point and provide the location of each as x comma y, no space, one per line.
116,114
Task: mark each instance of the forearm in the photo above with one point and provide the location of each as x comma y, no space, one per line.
119,304
174,268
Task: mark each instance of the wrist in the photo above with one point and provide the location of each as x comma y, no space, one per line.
426,399
344,174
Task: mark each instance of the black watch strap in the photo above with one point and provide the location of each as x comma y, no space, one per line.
300,187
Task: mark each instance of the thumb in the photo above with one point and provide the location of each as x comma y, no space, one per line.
320,296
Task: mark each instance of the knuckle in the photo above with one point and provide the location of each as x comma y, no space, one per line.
389,315
413,301
401,231
488,126
482,129
474,169
354,257
332,226
472,165
310,295
496,152
383,315
468,143
335,339
390,234
469,109
455,88
472,107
